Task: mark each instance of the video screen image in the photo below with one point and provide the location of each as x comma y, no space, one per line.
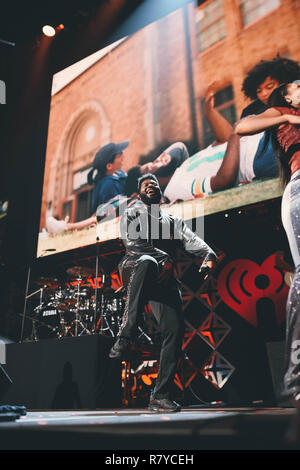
164,100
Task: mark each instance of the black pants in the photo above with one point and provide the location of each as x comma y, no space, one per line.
165,301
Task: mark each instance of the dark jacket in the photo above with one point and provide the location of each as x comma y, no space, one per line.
144,234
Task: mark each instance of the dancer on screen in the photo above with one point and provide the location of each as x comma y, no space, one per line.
231,160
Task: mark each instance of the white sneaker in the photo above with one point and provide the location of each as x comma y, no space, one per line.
56,226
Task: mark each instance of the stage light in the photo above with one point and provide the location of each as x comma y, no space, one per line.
146,379
48,30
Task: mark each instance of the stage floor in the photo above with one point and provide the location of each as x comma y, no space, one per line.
194,428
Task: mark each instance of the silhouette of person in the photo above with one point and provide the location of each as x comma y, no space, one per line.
67,392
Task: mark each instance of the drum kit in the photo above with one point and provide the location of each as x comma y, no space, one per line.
76,307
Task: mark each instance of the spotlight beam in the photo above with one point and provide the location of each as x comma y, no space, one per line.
8,43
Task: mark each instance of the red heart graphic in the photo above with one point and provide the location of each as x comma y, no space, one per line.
243,282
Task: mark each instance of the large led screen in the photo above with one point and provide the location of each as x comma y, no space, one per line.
165,101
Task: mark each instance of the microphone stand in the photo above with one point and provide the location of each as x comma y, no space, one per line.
39,309
25,304
96,281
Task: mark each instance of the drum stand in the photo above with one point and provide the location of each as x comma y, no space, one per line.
96,285
38,309
25,304
103,319
34,336
77,322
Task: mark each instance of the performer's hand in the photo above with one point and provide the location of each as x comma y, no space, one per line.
207,268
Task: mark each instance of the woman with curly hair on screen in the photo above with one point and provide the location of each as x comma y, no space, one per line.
282,123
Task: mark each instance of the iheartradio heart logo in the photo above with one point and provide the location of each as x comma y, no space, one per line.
243,282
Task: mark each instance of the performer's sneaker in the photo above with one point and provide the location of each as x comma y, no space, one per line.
121,349
163,405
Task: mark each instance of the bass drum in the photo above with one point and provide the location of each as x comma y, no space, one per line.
47,323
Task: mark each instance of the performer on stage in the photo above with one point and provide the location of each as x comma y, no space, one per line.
282,120
151,236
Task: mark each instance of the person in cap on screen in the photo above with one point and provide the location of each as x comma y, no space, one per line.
110,180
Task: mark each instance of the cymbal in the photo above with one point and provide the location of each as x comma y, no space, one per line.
103,289
47,281
81,271
107,290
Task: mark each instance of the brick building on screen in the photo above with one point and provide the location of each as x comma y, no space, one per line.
149,88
